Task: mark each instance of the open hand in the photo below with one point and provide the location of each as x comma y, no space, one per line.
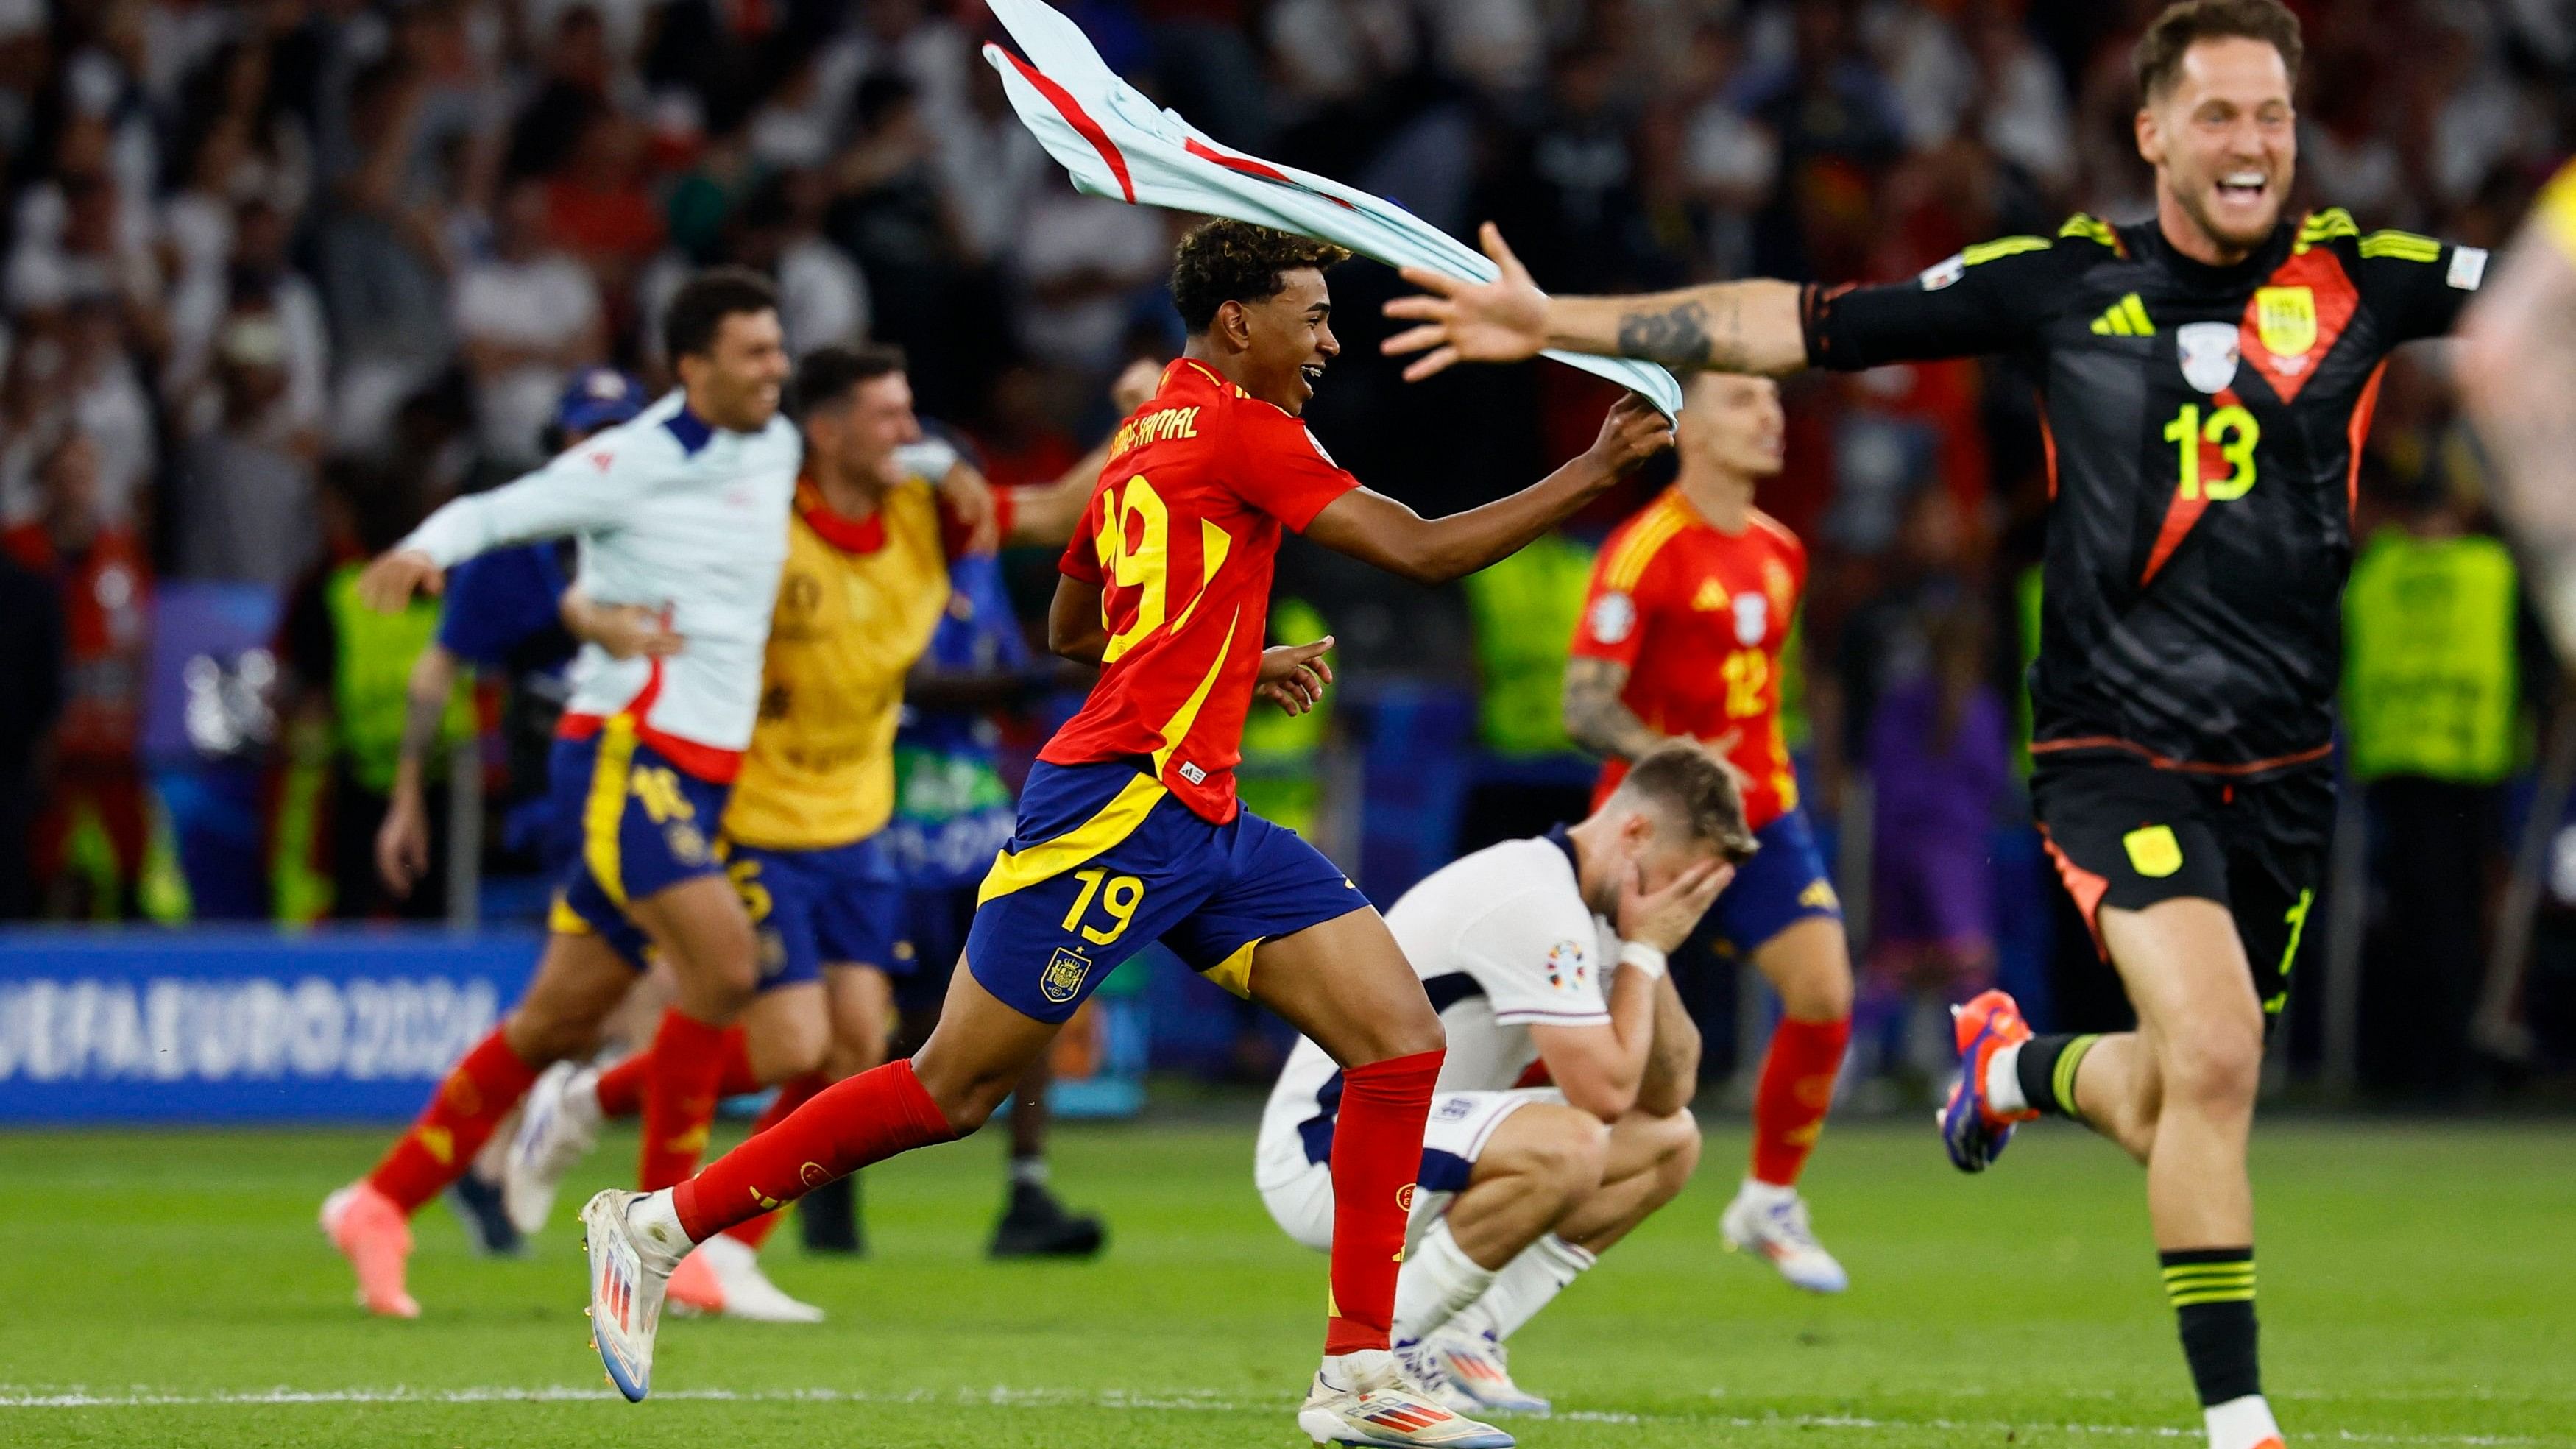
1293,676
389,583
402,844
1503,320
1136,385
1664,919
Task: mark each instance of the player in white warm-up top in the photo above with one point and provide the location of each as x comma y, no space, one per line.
1545,960
682,519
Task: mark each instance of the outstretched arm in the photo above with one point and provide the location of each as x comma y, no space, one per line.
2517,371
1375,529
1748,326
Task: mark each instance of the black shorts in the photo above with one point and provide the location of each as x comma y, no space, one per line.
2127,833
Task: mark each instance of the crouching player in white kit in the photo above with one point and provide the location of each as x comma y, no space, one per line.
1538,954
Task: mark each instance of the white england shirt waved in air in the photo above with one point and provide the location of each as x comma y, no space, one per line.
673,514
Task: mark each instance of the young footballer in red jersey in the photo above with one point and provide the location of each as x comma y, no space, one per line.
1690,606
1129,830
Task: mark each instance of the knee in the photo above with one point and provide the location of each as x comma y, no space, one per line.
1681,1158
845,1057
966,1093
1404,1034
1822,992
540,1036
2214,1064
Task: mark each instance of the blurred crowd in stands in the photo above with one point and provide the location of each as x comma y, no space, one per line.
280,275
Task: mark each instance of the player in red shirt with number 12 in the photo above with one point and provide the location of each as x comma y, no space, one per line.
1690,608
1129,830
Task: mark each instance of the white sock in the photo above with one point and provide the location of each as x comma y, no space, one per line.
1768,1194
2240,1423
1028,1172
1524,1286
2003,1081
1438,1279
654,1218
1347,1370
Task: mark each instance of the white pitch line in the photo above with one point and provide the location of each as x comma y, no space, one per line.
1186,1400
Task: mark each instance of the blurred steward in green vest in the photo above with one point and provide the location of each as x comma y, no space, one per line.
1524,611
348,670
2435,649
1281,775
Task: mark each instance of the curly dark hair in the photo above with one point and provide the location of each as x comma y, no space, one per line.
1234,261
2158,61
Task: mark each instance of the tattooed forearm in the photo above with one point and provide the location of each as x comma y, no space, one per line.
1676,336
1596,719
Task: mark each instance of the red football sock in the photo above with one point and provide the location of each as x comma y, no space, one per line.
1796,1090
441,1144
621,1087
680,1096
846,1126
792,1094
1377,1152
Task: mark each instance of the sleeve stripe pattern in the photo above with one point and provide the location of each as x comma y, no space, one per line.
1628,564
2004,246
2324,226
2405,246
2092,229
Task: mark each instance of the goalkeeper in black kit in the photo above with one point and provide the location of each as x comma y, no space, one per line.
2207,380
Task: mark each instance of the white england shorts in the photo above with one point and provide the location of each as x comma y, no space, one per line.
1299,1193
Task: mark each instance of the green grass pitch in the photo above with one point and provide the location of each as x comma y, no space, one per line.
2419,1288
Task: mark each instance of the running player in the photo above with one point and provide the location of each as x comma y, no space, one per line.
2207,377
500,615
1521,1189
1690,607
1129,831
866,582
683,508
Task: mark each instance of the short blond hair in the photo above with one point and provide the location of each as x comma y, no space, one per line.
1696,791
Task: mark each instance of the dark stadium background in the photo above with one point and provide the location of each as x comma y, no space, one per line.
281,276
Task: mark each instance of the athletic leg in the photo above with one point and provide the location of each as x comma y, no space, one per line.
579,980
1532,1168
699,926
1809,963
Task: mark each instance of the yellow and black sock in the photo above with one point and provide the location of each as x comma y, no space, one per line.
2046,1069
2212,1291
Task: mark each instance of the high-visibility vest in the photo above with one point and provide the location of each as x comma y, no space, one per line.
1525,609
371,679
2430,676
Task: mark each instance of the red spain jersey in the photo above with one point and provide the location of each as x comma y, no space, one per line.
1181,534
1698,618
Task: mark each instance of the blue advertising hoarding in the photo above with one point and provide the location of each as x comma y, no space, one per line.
243,1026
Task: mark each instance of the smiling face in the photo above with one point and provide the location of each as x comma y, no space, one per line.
1281,344
735,383
857,436
2223,138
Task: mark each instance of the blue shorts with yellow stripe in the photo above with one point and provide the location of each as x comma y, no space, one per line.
1104,860
1784,883
842,905
644,824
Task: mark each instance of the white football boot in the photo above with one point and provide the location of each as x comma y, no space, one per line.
1478,1369
558,1125
722,1278
630,1266
1772,1221
1364,1398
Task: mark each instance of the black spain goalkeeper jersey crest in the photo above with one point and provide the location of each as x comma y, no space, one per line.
2204,430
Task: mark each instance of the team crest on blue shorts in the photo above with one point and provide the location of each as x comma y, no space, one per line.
1062,980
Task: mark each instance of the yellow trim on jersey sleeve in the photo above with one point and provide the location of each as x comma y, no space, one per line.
2555,211
2324,226
2405,246
2091,229
2002,246
1048,859
606,808
1637,551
